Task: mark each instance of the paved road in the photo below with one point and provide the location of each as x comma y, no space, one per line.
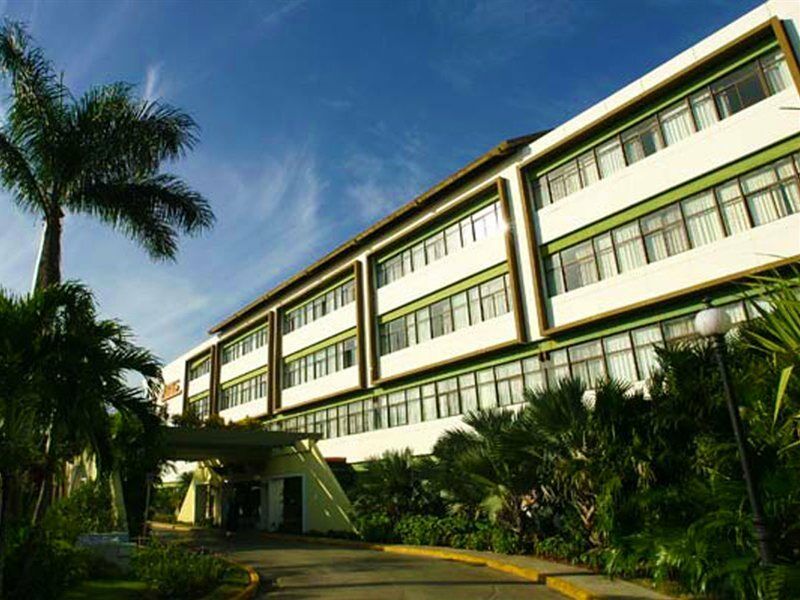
294,570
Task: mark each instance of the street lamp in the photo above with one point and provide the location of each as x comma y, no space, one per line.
713,323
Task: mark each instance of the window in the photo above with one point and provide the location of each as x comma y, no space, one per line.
534,373
200,407
447,395
328,360
486,390
414,400
553,274
244,345
630,250
645,340
253,388
679,330
468,392
509,383
483,223
199,369
328,302
642,141
734,212
397,409
587,362
478,303
579,266
702,219
664,234
429,412
676,122
610,158
737,91
604,253
557,367
620,362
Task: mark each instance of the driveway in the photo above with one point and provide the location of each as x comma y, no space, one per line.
293,570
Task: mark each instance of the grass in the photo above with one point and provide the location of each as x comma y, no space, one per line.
235,580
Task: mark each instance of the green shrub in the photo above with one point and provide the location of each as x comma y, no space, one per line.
177,572
375,527
39,566
88,509
505,541
421,530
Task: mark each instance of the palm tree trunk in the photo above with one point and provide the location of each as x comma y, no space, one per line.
5,517
48,270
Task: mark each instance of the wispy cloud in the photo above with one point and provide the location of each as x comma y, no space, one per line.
383,181
154,87
285,8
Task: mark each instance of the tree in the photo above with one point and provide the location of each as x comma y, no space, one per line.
63,375
99,155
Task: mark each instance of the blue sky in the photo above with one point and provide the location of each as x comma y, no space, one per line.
319,117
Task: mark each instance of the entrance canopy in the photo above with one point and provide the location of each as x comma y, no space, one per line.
184,443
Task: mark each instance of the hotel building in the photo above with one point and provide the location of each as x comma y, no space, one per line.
575,251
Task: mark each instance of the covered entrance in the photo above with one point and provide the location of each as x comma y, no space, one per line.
268,480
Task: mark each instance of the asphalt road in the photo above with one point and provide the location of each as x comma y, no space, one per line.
293,570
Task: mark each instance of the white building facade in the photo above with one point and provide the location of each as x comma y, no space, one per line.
570,252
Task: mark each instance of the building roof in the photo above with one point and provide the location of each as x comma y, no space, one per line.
486,160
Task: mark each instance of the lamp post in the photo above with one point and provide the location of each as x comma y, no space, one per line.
713,323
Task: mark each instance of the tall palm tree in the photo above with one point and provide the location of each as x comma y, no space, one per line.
100,155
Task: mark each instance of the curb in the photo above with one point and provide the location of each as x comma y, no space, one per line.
252,585
556,583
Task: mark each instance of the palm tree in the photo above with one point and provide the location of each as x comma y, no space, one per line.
99,155
62,374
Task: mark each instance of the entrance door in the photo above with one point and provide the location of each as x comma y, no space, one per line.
293,504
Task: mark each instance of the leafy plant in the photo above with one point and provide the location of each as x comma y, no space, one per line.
177,572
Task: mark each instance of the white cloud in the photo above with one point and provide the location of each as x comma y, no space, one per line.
284,9
154,88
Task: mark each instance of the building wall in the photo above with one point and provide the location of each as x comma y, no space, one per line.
537,323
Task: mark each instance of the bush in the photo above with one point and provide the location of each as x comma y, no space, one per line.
375,527
505,541
39,566
421,530
88,509
176,572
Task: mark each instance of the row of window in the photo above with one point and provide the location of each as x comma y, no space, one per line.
730,94
253,388
200,407
474,305
336,357
472,228
245,345
761,196
332,300
198,370
628,356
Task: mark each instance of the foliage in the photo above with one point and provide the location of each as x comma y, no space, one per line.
87,509
396,484
99,154
177,572
375,527
633,485
40,567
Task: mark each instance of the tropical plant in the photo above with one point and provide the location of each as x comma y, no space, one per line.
100,155
177,572
63,371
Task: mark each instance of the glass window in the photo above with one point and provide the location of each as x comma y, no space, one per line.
414,404
642,140
680,329
434,247
630,250
553,275
619,357
452,236
588,168
460,311
734,211
703,109
564,181
557,367
664,234
759,192
469,393
441,318
676,122
418,256
486,389
776,72
610,158
493,298
411,329
702,219
423,318
586,361
447,395
604,253
355,417
579,266
509,383
534,374
541,193
486,221
474,296
737,91
429,402
397,409
349,353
